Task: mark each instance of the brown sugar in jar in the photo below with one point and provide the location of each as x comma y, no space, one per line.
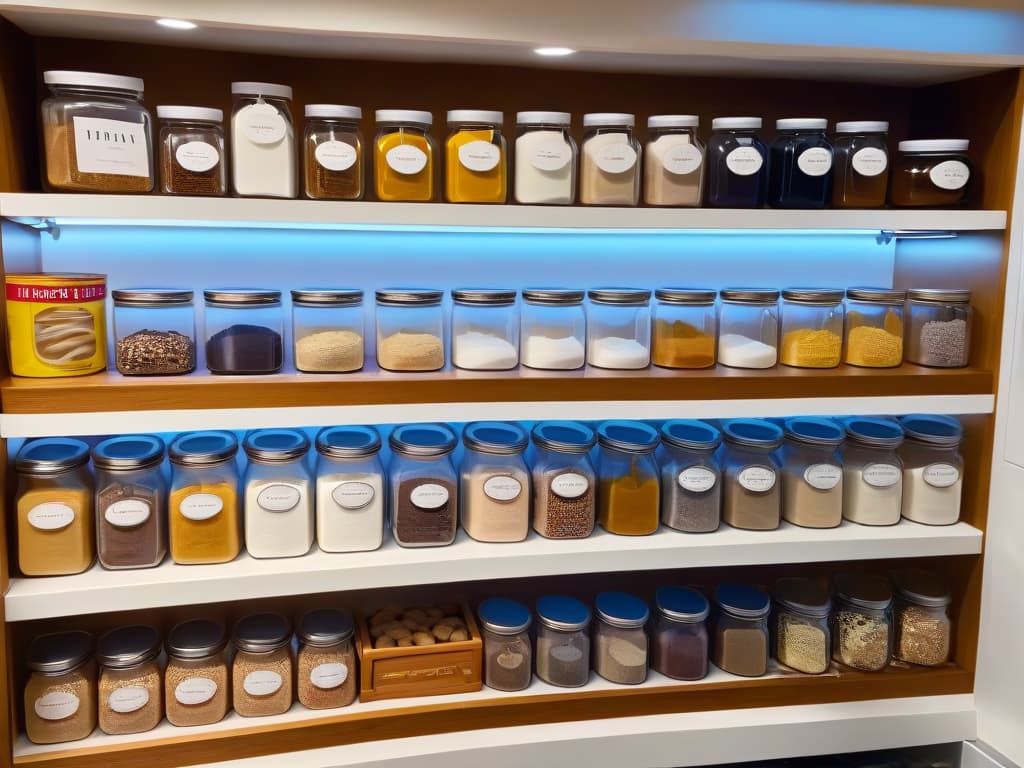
931,174
192,159
262,672
60,695
333,167
196,681
327,661
131,682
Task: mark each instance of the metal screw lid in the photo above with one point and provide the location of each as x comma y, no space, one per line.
874,432
621,609
813,295
806,596
51,456
327,297
752,433
628,436
495,437
504,617
564,437
348,442
951,295
880,295
262,633
196,639
152,297
324,627
698,296
425,297
691,434
423,440
275,445
128,452
815,431
489,296
682,604
750,295
933,429
864,591
59,652
202,449
742,600
922,587
552,296
629,296
242,297
128,647
564,613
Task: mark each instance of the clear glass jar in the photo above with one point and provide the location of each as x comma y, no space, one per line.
278,494
485,329
155,332
619,328
752,493
679,640
685,328
939,320
924,630
564,480
862,622
333,167
748,328
812,327
262,673
197,690
349,490
410,330
812,473
403,156
673,161
554,329
931,173
244,331
861,176
874,327
203,508
545,159
609,160
932,469
691,487
628,499
800,167
620,638
192,151
60,695
263,148
495,482
327,330
563,641
508,650
741,630
476,157
872,471
737,162
424,498
326,676
55,507
97,135
801,635
131,502
131,680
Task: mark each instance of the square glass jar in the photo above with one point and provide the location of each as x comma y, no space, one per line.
154,331
485,329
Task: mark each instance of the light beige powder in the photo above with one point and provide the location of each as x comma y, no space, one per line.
411,352
486,518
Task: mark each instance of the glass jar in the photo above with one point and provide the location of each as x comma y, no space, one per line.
508,651
244,331
619,328
196,687
131,502
326,674
263,148
812,474
403,156
737,164
485,329
192,151
476,157
410,330
278,494
862,622
327,330
872,471
800,171
874,327
554,328
861,175
349,490
333,152
931,174
685,328
205,520
131,682
424,498
939,335
545,159
801,635
921,614
564,480
741,630
628,495
752,493
610,160
55,507
155,331
932,469
748,328
262,673
495,482
97,136
620,638
679,640
812,327
563,643
691,488
60,695
673,161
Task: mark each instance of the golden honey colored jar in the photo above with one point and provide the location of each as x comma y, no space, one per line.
476,157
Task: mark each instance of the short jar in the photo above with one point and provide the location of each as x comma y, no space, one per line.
327,330
801,635
861,175
326,675
939,327
673,161
564,480
800,167
244,331
752,492
485,329
924,630
691,481
874,327
748,328
610,160
679,640
403,156
872,471
332,152
508,650
554,329
812,472
495,482
619,328
862,622
60,695
563,641
931,174
628,499
812,327
424,498
192,159
410,330
476,157
155,332
545,159
263,150
262,673
737,160
349,490
741,630
684,328
196,686
932,469
278,494
620,638
131,695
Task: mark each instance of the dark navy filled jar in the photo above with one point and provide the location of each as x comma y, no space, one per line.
737,159
752,497
620,638
800,170
741,631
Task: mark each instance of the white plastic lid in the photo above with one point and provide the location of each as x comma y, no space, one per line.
404,116
551,118
801,124
93,79
673,121
204,114
334,110
934,145
727,123
862,126
600,119
487,116
263,89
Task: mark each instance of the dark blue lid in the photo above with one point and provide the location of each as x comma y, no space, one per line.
128,452
564,436
752,433
935,430
276,444
873,431
682,604
424,440
348,442
495,437
563,612
628,436
622,609
201,448
51,455
742,600
692,434
504,617
817,431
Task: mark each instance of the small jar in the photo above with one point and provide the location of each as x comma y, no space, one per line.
752,493
812,327
495,482
278,494
476,157
563,641
874,327
545,159
620,638
872,471
564,480
60,695
737,159
748,328
862,622
97,135
554,329
244,331
262,672
861,175
326,674
403,156
131,696
205,519
349,490
610,160
327,330
800,171
931,174
801,635
192,160
629,496
485,329
924,630
508,651
424,498
932,469
410,330
155,331
131,502
333,152
741,631
196,686
812,474
673,161
55,507
263,148
679,640
619,328
939,332
691,487
685,328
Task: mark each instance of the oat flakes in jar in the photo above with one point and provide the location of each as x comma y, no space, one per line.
60,695
326,676
131,681
262,673
196,689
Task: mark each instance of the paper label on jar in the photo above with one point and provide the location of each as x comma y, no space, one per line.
195,690
682,159
824,477
51,516
551,156
111,146
279,498
757,479
697,479
881,475
502,488
127,513
869,161
816,161
335,155
328,676
131,698
569,485
201,506
429,496
406,159
744,161
941,475
262,682
197,156
615,158
352,495
950,174
479,156
56,705
261,123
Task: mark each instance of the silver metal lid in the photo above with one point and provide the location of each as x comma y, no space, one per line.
921,587
128,453
261,633
495,437
423,440
864,591
813,295
51,456
152,297
327,297
490,296
275,445
700,296
128,646
202,449
324,627
352,442
636,296
954,295
552,296
628,436
59,652
242,297
409,296
196,639
751,295
879,295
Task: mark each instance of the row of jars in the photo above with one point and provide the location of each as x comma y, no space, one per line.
689,476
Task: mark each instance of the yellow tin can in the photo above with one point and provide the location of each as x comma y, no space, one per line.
57,324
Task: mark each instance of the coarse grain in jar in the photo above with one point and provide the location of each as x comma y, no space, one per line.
410,330
326,676
872,471
684,328
933,469
939,327
873,337
691,482
628,497
620,638
424,497
262,673
679,640
203,507
812,473
619,328
279,496
485,329
197,690
752,490
812,327
741,630
564,480
923,628
60,695
154,332
349,489
862,622
192,158
131,696
508,650
801,634
609,160
748,328
554,329
563,641
332,151
495,482
327,330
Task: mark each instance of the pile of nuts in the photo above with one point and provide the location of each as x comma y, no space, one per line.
392,627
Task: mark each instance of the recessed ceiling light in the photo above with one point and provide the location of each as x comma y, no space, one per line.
554,50
176,23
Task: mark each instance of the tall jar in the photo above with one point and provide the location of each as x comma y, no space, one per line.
932,469
619,328
476,157
939,327
263,148
861,176
752,496
801,635
332,152
748,328
278,494
737,159
741,630
620,638
812,327
192,160
244,331
685,328
800,171
610,160
424,498
679,640
155,332
327,330
931,173
812,473
874,327
326,677
554,329
545,159
862,622
131,695
673,161
872,471
924,630
629,495
691,487
197,690
564,480
508,650
262,673
485,329
60,695
410,330
495,482
349,490
403,156
563,641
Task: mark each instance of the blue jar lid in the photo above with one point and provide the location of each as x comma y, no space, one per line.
621,609
423,440
203,448
816,431
752,433
563,613
564,436
874,432
692,434
348,442
504,617
276,445
51,455
495,437
628,436
128,452
934,430
742,600
682,604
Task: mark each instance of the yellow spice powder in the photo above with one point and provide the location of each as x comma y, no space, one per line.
872,347
805,348
681,345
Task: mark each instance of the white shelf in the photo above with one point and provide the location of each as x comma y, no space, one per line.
99,591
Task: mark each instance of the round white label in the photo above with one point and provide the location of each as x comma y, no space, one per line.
682,159
869,161
429,496
127,513
502,487
941,475
479,156
279,498
201,506
569,485
352,495
51,516
195,690
757,479
881,475
744,161
816,161
950,174
262,682
824,477
131,698
406,159
697,479
335,155
551,156
328,675
56,705
197,156
616,158
261,123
